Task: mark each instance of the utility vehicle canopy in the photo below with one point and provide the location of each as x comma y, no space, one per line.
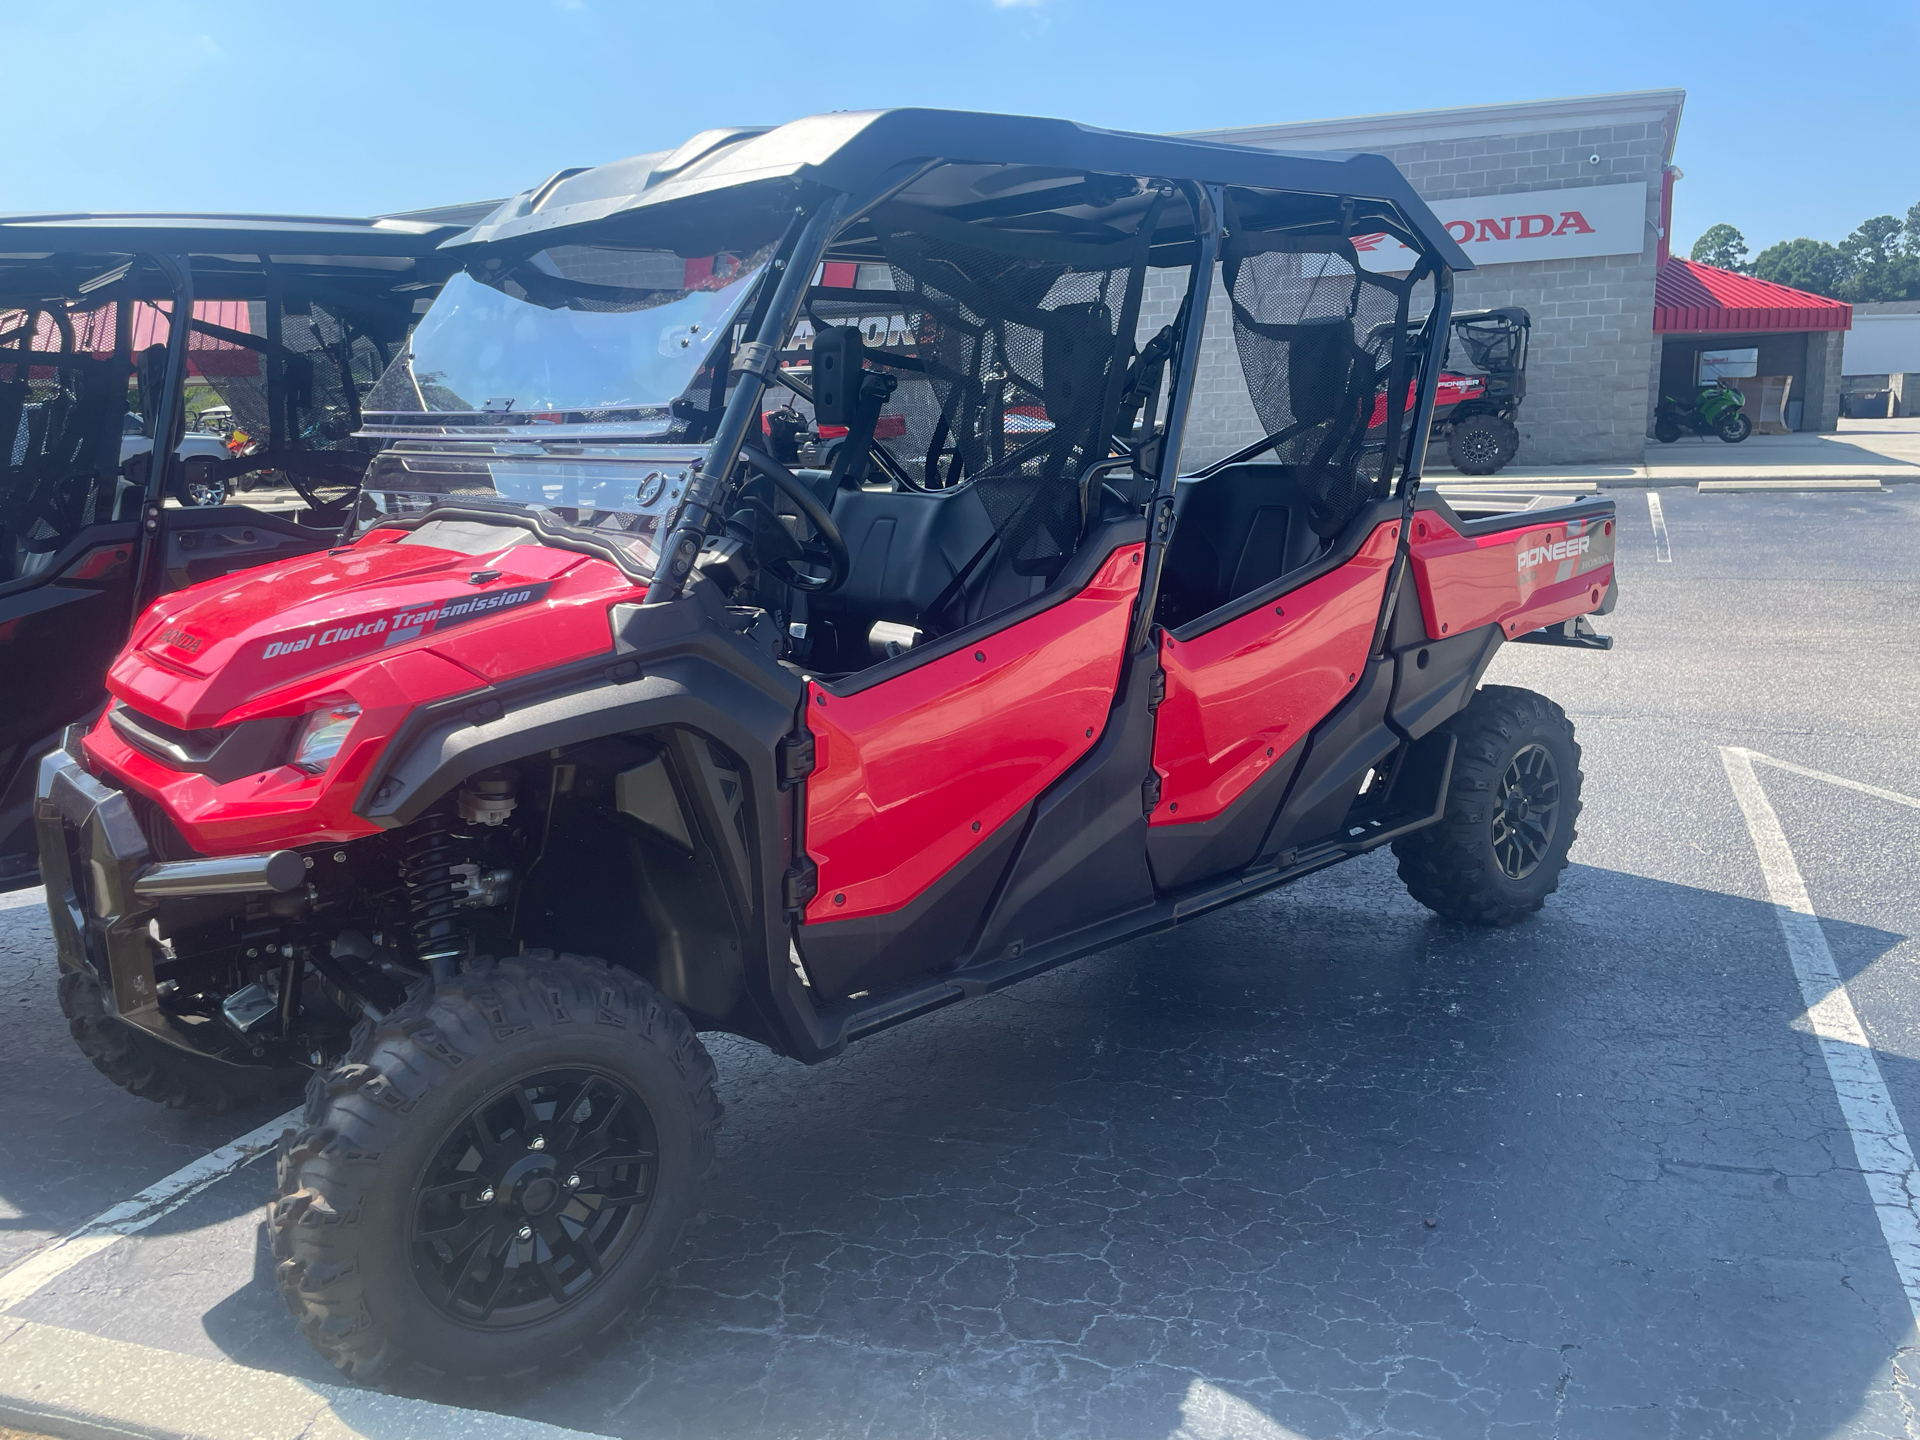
866,153
292,317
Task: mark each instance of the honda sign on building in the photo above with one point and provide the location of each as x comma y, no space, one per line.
1534,225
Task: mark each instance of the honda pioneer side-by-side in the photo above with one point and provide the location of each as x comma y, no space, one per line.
290,319
604,725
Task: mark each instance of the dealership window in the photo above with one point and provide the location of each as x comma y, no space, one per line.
1728,364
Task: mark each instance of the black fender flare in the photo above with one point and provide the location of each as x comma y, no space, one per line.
674,671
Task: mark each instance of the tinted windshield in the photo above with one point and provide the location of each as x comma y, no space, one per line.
573,333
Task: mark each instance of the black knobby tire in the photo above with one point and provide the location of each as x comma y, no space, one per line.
352,1184
1464,867
154,1070
1482,444
1666,430
1735,427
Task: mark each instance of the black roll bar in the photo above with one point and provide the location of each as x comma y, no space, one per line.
755,363
178,269
1209,204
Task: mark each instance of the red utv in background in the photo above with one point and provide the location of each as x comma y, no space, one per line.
605,725
1476,405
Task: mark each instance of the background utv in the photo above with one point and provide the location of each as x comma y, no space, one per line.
607,727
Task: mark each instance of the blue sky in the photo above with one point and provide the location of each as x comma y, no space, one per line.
1798,121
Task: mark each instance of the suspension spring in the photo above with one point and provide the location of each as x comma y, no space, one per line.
433,899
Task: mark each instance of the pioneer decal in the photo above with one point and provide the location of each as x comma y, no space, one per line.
366,633
1567,549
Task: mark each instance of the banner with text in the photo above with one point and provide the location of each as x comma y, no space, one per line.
1537,225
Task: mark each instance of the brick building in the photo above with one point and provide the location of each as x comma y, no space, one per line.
1560,205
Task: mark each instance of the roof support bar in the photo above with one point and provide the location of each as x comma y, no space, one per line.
1209,204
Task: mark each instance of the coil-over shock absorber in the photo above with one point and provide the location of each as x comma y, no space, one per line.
433,894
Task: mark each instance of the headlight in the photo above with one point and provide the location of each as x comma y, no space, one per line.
321,735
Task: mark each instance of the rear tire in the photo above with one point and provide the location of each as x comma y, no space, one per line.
413,1206
154,1070
1735,428
1482,444
1666,431
1512,801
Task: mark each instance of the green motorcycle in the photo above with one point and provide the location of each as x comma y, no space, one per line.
1718,409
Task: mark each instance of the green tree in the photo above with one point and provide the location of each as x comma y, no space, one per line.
1722,246
1883,262
1805,265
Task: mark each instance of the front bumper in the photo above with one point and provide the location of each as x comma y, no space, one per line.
93,855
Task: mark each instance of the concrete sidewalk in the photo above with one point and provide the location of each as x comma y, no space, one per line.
1883,450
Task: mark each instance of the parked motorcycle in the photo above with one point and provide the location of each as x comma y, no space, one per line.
1717,409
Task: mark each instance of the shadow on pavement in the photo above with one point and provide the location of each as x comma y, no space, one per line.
1320,1162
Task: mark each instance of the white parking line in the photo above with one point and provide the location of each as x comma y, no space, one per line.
1662,551
1879,1140
1891,796
29,1276
34,899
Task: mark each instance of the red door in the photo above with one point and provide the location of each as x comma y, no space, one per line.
913,774
1243,693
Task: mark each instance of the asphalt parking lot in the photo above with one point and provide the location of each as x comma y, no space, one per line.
1319,1165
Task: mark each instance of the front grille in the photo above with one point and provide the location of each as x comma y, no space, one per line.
163,837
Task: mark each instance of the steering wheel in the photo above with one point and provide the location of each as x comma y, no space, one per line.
828,547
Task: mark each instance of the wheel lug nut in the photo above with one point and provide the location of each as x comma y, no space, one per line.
539,1143
573,1182
486,1196
526,1232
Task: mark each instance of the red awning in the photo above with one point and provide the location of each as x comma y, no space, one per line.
206,354
1690,296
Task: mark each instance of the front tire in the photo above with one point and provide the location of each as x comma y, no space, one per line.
1482,444
496,1171
1512,801
1735,427
151,1069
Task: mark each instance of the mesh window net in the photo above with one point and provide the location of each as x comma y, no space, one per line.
1320,340
64,376
1008,352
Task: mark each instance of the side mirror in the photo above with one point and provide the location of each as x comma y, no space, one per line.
839,358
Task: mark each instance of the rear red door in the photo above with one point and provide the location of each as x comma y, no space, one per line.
1242,693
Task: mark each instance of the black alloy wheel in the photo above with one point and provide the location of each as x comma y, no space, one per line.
494,1172
1526,811
532,1197
1513,797
1481,444
1735,427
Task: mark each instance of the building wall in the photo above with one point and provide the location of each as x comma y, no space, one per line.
1591,371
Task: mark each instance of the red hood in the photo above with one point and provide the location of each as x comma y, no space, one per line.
269,638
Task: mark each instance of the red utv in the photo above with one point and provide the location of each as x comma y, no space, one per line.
292,318
1483,379
607,727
